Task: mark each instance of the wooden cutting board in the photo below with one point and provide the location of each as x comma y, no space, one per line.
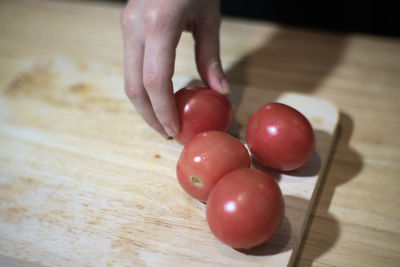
84,181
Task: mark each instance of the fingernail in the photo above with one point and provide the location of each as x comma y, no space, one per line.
170,131
225,88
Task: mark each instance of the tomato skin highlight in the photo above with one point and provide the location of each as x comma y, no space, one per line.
280,137
201,109
206,158
245,208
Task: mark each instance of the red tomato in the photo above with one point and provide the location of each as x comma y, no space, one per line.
206,158
245,208
280,137
201,109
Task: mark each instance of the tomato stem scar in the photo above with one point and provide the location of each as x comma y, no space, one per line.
196,181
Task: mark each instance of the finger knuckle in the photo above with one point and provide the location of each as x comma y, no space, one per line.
164,115
133,92
214,62
157,19
151,81
128,18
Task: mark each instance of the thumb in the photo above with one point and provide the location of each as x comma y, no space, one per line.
208,59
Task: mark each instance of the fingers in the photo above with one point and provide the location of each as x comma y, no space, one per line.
158,67
207,55
151,32
133,68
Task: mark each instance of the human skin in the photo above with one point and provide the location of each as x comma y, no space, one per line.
151,32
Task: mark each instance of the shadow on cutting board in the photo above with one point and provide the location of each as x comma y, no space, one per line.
285,238
323,229
280,242
12,262
292,60
311,168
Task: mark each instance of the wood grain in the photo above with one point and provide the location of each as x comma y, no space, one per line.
84,180
356,221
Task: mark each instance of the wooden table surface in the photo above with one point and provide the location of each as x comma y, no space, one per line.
356,219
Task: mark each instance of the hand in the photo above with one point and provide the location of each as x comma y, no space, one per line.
151,31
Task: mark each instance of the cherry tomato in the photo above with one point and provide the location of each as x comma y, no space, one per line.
280,137
245,208
206,158
201,109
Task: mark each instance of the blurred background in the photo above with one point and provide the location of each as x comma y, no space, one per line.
366,16
363,16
